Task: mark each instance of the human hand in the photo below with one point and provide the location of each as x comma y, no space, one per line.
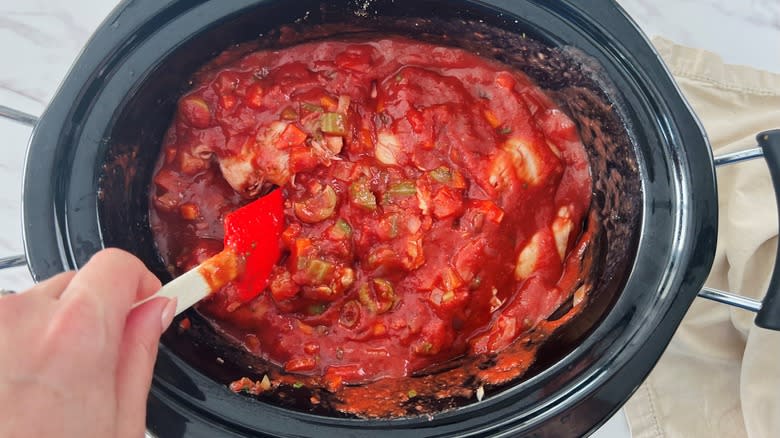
76,359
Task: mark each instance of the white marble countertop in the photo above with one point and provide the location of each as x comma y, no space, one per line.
39,39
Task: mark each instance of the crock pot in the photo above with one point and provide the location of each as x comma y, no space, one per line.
91,154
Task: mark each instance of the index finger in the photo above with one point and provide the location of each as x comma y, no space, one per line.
109,284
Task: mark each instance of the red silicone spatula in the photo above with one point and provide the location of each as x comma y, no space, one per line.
251,249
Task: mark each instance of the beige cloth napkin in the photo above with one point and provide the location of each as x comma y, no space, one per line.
720,376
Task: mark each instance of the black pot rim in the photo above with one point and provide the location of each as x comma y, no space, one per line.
51,205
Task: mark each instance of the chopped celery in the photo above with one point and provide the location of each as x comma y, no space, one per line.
442,175
312,108
365,298
317,271
340,230
317,207
361,195
385,294
403,188
333,123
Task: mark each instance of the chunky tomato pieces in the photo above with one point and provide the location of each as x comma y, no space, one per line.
433,199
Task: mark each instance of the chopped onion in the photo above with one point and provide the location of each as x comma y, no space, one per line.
526,260
265,384
561,228
554,148
415,256
527,163
347,277
275,130
413,224
422,201
387,148
334,143
343,104
501,170
580,294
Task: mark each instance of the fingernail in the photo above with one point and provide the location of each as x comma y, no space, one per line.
168,313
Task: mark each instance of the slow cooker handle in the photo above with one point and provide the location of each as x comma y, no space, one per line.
769,315
769,309
29,120
18,116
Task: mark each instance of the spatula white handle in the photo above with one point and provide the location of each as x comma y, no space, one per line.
188,289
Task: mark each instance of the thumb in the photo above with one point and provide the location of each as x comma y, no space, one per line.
137,354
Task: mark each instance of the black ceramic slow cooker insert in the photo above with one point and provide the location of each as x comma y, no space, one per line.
91,157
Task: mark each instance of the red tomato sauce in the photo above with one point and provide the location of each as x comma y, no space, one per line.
433,200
